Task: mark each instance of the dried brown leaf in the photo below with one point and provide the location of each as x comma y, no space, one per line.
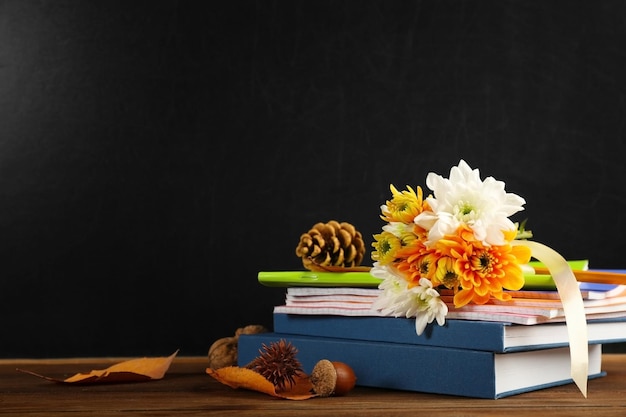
133,370
237,377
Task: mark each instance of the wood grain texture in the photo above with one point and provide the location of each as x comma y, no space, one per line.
187,390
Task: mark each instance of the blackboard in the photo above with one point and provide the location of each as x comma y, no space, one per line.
155,156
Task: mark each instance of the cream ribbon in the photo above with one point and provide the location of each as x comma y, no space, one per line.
573,306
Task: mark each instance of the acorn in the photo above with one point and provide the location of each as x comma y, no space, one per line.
332,378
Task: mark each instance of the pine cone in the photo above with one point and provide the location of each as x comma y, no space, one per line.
331,244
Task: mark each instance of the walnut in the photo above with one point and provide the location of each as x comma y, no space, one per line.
223,352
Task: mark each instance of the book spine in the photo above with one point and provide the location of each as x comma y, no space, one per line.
455,333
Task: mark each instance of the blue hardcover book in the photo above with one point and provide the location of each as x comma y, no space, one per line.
464,334
418,368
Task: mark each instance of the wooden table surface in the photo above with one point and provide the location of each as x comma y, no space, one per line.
187,390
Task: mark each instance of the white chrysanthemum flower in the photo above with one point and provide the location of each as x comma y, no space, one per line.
427,306
422,301
394,290
484,206
398,229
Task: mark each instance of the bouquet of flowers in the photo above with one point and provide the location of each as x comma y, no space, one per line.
459,238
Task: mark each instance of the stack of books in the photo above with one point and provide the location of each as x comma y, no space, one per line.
483,351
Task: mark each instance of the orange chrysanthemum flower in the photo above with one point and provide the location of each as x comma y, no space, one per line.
416,261
483,271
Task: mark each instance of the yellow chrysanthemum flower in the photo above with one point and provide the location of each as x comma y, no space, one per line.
386,245
445,273
404,206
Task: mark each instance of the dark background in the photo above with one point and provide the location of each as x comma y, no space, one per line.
156,155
